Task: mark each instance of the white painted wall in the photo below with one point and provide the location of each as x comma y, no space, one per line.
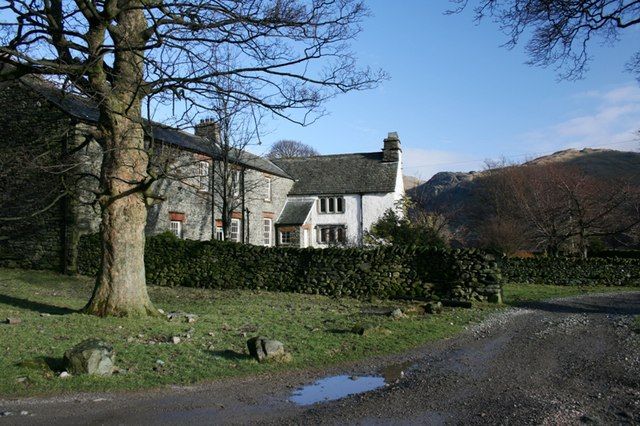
368,208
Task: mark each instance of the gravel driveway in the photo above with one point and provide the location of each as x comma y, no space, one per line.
568,361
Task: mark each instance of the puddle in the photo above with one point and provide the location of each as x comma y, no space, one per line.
338,387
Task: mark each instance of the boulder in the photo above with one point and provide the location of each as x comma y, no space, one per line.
91,356
264,349
397,314
433,308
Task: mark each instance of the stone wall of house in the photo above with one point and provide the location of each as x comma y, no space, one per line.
184,196
32,137
262,205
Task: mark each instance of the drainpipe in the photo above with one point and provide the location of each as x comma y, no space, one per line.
360,222
244,234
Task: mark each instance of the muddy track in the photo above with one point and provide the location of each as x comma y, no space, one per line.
568,361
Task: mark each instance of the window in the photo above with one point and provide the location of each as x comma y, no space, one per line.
332,234
219,233
204,177
267,195
331,204
176,228
286,237
266,232
234,231
235,182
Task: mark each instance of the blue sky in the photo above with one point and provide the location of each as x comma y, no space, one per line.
456,97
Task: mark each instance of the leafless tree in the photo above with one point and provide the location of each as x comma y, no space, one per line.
560,31
288,148
556,207
289,55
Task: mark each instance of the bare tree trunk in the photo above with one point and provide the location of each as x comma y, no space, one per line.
121,286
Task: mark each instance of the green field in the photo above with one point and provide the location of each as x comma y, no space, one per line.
316,330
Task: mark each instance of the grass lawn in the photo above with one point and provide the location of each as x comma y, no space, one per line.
314,329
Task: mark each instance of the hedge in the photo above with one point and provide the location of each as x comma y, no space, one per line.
572,271
385,272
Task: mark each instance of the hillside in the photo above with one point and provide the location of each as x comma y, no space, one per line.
456,194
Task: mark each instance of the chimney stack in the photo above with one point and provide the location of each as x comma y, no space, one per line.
391,150
208,128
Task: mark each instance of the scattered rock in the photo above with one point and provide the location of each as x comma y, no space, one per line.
397,314
264,349
6,414
175,340
433,308
24,413
45,314
182,317
160,362
64,375
91,356
161,311
13,321
211,348
21,379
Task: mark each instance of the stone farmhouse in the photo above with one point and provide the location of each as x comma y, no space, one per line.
297,202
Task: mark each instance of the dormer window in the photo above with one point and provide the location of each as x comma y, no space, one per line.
331,204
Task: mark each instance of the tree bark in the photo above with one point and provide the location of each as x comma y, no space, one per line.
121,285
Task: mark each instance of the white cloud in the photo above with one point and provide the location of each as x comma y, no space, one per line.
612,122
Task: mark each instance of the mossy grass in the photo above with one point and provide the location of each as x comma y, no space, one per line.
316,330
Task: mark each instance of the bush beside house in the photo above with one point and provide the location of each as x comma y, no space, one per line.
385,272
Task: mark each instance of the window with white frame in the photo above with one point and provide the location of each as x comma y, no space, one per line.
286,237
331,204
332,234
175,226
266,231
234,230
219,233
204,176
267,194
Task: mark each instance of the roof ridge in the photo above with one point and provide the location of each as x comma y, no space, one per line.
326,156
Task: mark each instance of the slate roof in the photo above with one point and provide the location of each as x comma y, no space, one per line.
340,174
85,109
295,212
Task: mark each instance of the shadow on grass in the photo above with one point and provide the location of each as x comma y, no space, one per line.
35,306
231,355
340,331
43,363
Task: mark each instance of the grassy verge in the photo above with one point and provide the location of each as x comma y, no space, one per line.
515,294
315,329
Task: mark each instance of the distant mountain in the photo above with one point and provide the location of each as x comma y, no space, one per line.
452,193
